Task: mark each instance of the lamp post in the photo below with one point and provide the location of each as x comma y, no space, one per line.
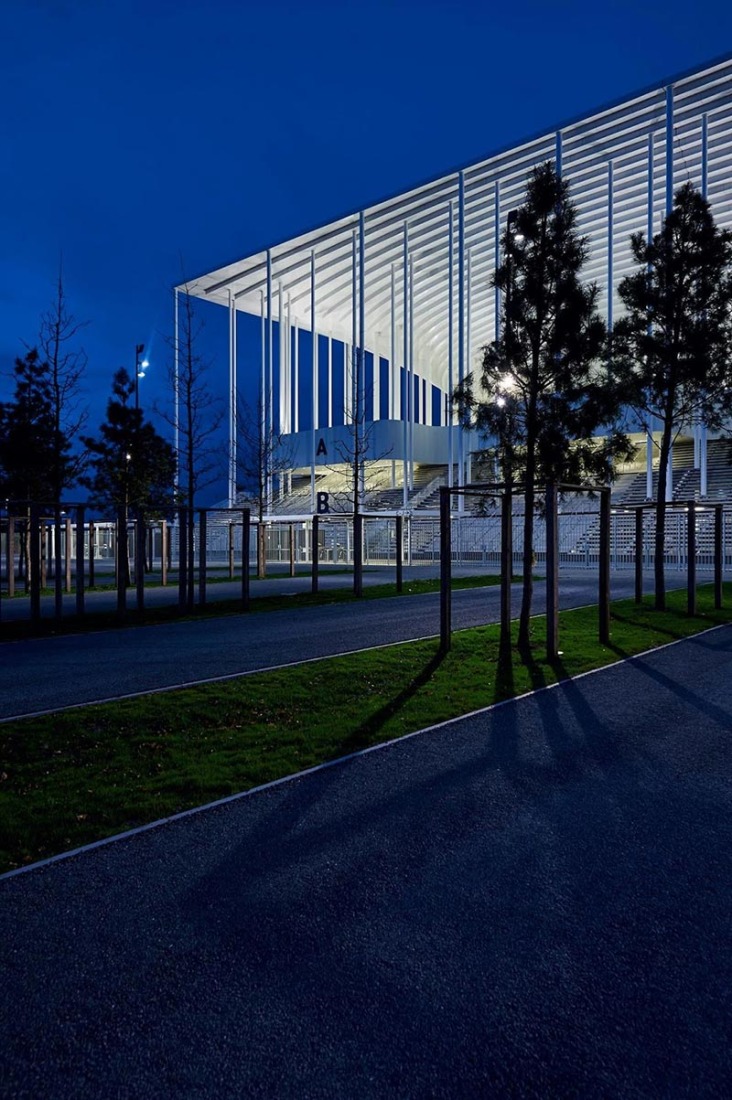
141,366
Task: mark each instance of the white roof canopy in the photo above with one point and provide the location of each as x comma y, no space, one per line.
606,158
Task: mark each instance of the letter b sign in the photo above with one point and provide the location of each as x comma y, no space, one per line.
323,505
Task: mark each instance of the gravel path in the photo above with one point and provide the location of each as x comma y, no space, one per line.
529,902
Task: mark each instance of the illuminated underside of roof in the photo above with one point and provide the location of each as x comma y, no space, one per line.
614,159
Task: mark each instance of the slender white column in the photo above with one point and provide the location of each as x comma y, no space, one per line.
703,453
176,391
315,379
346,386
296,406
392,353
669,207
610,234
497,258
411,372
361,351
669,149
469,318
269,396
461,325
229,490
450,341
281,365
354,329
405,404
330,381
232,406
263,378
649,235
288,364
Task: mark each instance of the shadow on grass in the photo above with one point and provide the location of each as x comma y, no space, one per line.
362,736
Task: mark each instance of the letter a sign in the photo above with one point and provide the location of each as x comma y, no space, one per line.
322,449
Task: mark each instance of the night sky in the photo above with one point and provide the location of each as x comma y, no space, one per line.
137,136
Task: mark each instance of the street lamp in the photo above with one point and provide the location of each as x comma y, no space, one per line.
141,366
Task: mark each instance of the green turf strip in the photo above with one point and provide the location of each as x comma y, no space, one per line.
80,775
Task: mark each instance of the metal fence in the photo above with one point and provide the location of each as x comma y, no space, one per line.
76,555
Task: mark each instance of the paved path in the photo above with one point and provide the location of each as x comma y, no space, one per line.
532,902
54,672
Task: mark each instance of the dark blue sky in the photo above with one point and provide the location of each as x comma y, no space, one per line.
134,133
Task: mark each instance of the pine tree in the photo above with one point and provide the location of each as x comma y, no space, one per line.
674,345
33,451
132,466
544,387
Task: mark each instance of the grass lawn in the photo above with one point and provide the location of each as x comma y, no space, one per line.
77,776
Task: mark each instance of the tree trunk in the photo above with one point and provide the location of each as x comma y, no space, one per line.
261,551
524,635
660,542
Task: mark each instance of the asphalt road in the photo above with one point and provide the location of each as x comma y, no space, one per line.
532,902
48,673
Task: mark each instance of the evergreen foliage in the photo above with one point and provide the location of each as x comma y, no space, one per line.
673,347
132,466
544,388
35,455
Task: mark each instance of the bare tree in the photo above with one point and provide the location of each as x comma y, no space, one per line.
354,451
65,364
196,417
262,454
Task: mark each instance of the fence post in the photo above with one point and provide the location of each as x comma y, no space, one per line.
292,549
58,562
140,551
34,547
231,552
202,562
552,573
314,550
191,560
121,541
67,553
358,555
639,555
718,522
445,570
164,552
506,564
182,560
11,556
246,526
604,570
80,559
691,558
92,550
399,540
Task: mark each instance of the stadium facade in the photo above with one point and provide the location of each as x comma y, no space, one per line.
409,281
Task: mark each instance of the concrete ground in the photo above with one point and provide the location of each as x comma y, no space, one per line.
528,902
